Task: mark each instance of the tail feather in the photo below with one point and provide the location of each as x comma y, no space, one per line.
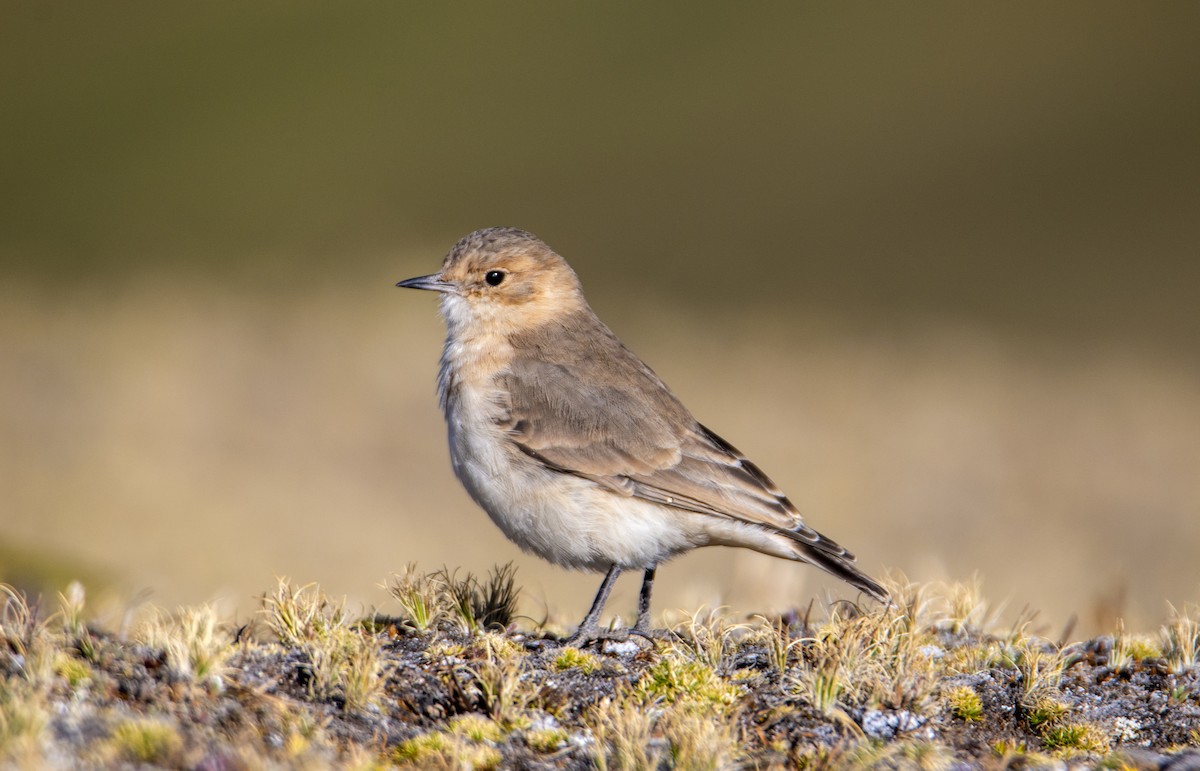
844,569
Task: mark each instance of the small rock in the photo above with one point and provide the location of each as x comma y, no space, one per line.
1126,729
884,725
620,648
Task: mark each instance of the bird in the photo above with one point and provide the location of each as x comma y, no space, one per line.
575,448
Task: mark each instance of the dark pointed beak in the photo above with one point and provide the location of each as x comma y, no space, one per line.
432,282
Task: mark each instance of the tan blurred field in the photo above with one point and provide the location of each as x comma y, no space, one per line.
933,266
195,441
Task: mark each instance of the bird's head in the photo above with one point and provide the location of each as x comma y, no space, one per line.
505,277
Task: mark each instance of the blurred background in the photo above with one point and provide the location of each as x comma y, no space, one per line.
935,267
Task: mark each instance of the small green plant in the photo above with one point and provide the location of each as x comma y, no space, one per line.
1142,648
420,597
965,704
444,649
454,749
495,645
345,661
422,749
24,632
573,658
1046,712
476,728
972,657
1120,657
71,669
1127,650
871,659
1075,737
678,679
545,740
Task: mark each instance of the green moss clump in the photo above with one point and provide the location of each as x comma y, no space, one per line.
965,704
573,658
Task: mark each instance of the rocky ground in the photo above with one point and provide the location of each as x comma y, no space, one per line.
451,682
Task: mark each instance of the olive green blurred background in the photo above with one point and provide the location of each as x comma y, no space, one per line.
934,266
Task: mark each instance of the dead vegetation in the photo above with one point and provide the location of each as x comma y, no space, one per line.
446,676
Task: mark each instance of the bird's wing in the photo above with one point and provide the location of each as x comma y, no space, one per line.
602,414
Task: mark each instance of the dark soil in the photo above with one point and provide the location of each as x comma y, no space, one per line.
261,710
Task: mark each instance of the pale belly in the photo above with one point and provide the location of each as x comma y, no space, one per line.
562,518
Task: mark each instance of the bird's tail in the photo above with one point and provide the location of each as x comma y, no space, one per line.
842,566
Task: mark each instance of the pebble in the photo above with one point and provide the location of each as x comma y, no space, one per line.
884,725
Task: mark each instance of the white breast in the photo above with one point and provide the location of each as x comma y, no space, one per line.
562,518
559,517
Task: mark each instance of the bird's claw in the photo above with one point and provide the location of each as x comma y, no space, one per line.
653,635
584,636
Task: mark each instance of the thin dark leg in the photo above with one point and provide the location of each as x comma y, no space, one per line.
643,617
590,626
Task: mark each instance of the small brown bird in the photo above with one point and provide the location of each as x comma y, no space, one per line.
574,447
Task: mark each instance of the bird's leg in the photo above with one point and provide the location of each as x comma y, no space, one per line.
643,617
589,628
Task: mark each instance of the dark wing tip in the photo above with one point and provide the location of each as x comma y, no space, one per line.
845,570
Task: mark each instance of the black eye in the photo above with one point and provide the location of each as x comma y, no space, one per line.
494,277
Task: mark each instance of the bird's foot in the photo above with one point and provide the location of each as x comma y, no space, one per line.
654,635
644,630
586,636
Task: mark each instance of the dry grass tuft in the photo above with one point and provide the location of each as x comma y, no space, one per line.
1181,639
152,742
1130,649
192,641
471,603
420,597
876,659
482,604
1041,672
344,660
708,636
624,736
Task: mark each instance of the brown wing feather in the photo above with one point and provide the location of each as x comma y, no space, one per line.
602,414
